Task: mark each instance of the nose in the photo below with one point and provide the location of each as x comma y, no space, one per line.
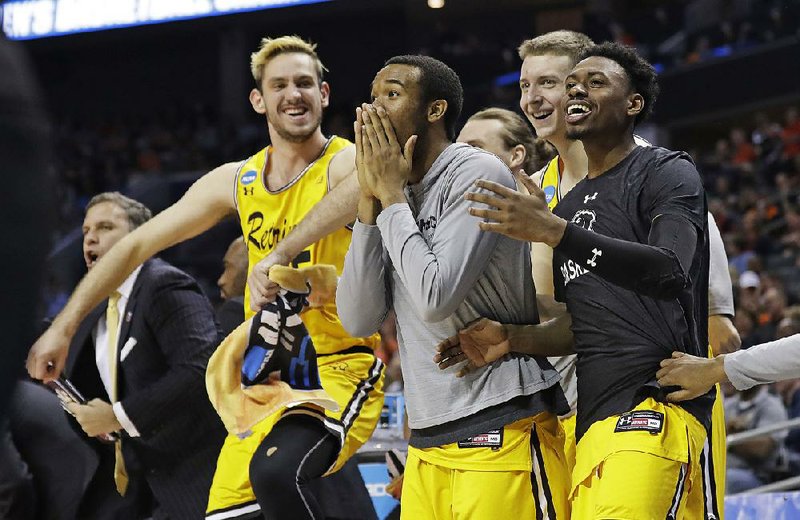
90,237
576,90
531,96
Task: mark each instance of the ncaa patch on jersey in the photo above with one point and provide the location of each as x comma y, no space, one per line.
491,439
640,420
549,193
248,177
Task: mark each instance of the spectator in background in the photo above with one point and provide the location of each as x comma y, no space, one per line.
743,152
791,134
751,463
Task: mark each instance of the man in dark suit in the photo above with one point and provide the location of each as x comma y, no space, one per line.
140,360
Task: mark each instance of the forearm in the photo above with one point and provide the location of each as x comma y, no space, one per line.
756,449
368,209
656,269
334,211
765,363
551,338
362,298
108,274
437,275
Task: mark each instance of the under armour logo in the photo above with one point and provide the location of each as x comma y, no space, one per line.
252,190
587,198
597,252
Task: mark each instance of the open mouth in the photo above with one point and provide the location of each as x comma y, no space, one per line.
577,111
296,112
91,258
541,116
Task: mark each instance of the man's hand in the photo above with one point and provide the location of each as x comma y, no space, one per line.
694,375
262,289
47,356
385,166
516,215
480,344
722,335
95,417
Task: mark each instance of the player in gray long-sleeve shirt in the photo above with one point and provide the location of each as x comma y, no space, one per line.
419,252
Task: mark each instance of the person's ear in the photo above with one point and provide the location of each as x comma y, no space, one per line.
257,101
635,104
437,110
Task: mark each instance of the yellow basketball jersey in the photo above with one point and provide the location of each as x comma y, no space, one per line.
551,182
268,216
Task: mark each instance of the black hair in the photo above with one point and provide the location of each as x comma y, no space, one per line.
641,75
437,81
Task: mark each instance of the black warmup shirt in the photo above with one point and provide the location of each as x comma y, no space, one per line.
621,336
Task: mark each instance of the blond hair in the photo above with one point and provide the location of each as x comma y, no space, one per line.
516,131
556,43
272,47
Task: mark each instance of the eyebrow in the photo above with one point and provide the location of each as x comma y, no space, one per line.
393,81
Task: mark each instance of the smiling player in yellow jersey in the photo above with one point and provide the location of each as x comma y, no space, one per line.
272,192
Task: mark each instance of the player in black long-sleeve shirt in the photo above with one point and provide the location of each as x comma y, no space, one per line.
631,262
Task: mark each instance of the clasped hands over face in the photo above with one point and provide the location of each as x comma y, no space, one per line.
383,166
514,214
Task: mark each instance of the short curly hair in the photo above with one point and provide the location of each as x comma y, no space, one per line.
437,81
641,75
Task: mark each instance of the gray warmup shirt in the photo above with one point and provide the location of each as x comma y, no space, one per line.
765,363
430,261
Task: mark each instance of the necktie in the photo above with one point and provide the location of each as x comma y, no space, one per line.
112,326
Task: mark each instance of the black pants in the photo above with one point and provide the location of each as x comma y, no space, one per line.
297,450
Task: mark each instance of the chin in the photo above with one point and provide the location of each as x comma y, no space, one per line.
576,133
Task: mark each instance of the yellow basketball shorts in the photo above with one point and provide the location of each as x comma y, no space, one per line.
640,465
568,425
515,472
712,463
354,380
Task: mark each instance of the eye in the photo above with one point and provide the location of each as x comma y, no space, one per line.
570,84
548,82
523,86
393,93
595,83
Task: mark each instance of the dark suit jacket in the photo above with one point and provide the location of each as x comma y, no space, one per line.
167,335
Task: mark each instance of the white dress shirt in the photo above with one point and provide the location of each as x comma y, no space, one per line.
101,351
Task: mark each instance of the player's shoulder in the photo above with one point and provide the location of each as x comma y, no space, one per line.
343,162
476,163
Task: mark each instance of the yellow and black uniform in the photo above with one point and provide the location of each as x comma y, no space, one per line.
625,324
550,182
713,467
348,369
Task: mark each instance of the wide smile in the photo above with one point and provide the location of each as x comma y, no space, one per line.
296,113
577,111
542,115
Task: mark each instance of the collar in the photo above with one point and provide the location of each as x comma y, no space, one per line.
126,287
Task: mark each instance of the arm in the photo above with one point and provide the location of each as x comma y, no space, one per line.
486,341
336,210
208,201
765,363
362,295
722,335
